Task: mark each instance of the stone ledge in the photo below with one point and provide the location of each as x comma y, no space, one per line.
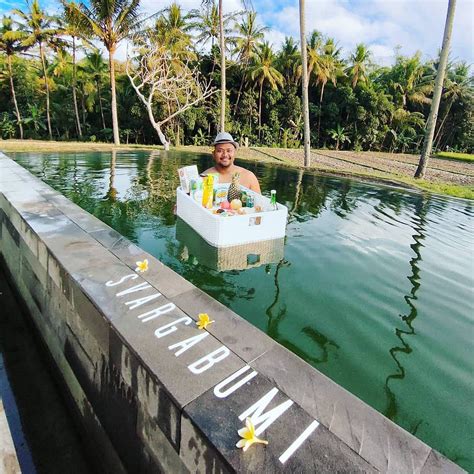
146,362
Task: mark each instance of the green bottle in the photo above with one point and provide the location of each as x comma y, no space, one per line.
273,200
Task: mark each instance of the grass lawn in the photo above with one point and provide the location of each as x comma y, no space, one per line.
451,155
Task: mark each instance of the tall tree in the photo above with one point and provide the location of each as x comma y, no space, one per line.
357,69
410,81
249,33
72,27
304,86
41,30
11,43
438,89
95,66
172,30
111,21
289,61
156,78
327,66
223,81
207,23
264,70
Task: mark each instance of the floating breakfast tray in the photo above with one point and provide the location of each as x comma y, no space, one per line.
222,231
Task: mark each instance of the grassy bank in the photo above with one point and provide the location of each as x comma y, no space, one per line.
451,155
255,154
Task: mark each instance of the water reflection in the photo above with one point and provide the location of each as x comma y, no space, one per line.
237,257
391,411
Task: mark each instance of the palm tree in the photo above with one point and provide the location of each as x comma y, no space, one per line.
41,31
111,21
289,61
207,23
325,65
359,60
172,30
264,70
304,86
410,81
249,33
438,89
95,66
458,86
11,43
223,81
72,27
339,135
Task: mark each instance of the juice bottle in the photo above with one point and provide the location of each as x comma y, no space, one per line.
208,191
273,200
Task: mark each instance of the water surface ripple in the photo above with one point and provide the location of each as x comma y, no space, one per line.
375,288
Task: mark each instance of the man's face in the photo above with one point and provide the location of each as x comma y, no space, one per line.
224,154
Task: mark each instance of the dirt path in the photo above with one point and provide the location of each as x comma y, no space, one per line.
439,170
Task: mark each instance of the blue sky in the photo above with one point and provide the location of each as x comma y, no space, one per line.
383,25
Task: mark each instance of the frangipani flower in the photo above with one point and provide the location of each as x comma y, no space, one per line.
142,266
248,436
204,321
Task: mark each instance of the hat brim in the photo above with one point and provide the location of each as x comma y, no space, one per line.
221,142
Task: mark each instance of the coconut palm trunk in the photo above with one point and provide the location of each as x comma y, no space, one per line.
115,126
99,94
241,86
320,108
223,84
74,84
438,89
260,108
46,86
304,86
12,88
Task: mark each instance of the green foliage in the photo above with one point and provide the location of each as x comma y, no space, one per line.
7,126
353,103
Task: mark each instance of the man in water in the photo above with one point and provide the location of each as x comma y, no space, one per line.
224,155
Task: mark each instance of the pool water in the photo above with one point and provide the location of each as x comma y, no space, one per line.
375,288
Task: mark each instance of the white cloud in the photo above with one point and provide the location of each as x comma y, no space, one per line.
415,25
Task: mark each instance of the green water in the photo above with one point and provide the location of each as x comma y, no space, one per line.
375,288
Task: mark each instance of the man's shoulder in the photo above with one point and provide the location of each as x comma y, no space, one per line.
210,170
244,171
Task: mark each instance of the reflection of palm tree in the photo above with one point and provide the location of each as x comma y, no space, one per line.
341,204
404,348
274,321
111,194
317,337
298,194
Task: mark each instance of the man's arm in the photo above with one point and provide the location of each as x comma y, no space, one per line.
254,185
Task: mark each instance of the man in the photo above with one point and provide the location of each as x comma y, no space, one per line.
224,155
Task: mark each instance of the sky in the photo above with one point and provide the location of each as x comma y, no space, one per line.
383,25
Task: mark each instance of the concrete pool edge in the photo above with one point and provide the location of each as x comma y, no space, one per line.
156,390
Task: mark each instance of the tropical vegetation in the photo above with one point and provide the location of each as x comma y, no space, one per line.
55,83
